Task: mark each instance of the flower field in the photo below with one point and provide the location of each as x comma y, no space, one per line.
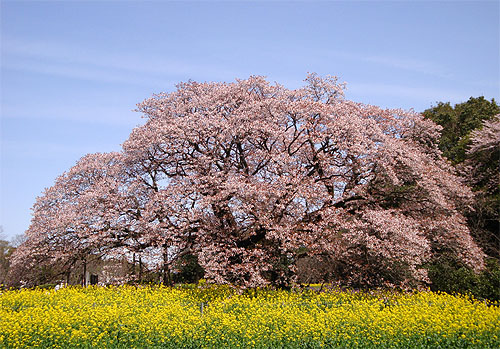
224,317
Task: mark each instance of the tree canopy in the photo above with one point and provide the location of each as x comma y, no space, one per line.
250,176
458,122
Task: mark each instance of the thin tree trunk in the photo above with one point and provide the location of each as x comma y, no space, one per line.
84,280
140,269
166,268
133,266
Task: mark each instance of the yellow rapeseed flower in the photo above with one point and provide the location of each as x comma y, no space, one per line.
219,316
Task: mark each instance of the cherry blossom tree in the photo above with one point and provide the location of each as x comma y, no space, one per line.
85,214
250,177
99,208
482,171
483,155
251,173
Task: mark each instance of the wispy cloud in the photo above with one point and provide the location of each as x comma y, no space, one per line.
111,115
69,60
411,64
51,150
420,66
148,72
84,72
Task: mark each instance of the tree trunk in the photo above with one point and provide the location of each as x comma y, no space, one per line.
166,267
140,269
84,279
133,266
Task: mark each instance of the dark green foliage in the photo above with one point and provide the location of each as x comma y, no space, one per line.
45,275
450,276
389,196
488,284
484,222
458,122
189,269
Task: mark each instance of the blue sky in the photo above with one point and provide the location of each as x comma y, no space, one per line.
73,71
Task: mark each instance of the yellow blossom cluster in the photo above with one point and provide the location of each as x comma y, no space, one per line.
225,317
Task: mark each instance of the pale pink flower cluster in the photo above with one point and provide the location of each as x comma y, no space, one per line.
482,167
